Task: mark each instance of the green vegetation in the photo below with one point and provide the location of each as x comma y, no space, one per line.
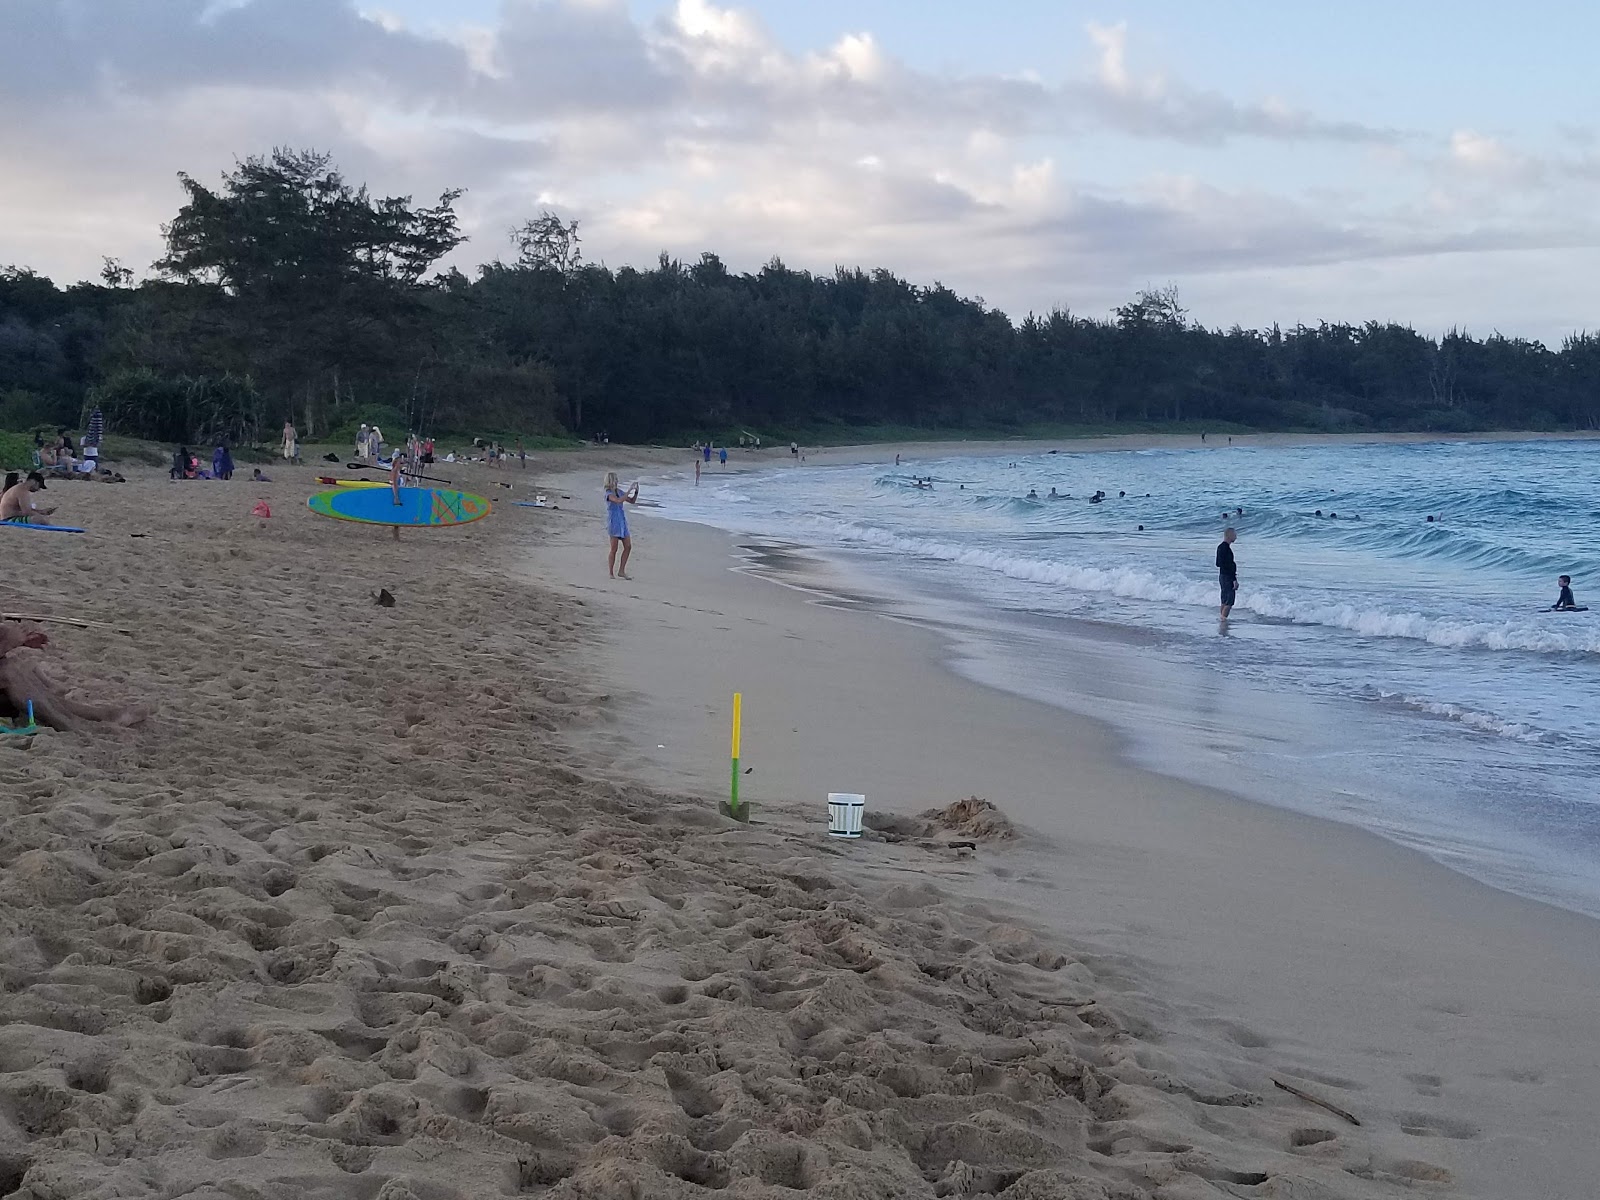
289,293
16,451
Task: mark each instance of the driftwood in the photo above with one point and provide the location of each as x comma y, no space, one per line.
1320,1103
26,675
73,621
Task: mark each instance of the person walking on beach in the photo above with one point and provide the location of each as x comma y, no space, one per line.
697,470
722,458
291,442
1227,570
617,525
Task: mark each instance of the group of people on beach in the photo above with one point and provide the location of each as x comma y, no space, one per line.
186,465
495,453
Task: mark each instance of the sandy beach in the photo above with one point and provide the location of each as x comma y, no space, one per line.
434,901
1441,1008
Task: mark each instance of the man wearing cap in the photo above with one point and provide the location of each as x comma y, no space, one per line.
17,502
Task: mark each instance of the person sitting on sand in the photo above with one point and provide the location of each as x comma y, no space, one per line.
257,477
1564,601
17,503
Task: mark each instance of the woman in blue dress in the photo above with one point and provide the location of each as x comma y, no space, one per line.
617,524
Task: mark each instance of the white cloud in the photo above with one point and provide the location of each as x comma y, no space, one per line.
701,130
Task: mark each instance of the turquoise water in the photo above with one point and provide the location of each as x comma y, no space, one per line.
1380,668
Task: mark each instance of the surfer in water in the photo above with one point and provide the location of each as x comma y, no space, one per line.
17,502
1227,571
617,525
1564,601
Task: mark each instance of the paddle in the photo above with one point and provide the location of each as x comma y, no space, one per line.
371,467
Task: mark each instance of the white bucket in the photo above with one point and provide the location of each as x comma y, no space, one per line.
845,810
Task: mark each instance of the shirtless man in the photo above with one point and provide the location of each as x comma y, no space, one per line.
17,502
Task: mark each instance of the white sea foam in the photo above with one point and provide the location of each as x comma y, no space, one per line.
1137,583
1480,721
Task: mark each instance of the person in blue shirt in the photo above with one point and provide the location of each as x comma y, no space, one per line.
617,525
722,457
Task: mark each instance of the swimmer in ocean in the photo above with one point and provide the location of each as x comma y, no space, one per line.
1032,495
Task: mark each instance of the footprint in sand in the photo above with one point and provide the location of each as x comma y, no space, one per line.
1433,1125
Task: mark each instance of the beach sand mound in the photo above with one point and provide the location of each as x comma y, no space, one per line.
972,818
969,820
350,924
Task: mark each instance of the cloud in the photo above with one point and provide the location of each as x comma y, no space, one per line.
700,129
67,50
1153,106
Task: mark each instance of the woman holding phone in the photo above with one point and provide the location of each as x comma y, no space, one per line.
617,524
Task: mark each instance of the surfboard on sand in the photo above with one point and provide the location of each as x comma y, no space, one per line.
421,507
42,528
330,481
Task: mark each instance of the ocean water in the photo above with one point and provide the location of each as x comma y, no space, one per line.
1380,669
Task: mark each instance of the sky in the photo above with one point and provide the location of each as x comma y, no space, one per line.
1426,162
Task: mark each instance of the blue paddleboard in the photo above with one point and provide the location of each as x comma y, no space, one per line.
42,528
421,507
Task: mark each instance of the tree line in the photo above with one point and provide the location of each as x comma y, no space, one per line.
290,292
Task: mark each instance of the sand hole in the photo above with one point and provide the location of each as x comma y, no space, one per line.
151,991
1431,1125
540,1169
13,1169
1310,1137
90,1077
1411,1169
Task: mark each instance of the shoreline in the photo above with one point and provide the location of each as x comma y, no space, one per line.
559,464
1281,741
1356,906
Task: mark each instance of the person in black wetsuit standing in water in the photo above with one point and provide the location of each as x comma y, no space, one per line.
1227,570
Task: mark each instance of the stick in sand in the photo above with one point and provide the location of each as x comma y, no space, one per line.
1310,1099
64,621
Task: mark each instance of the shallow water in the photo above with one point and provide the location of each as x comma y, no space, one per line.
1380,668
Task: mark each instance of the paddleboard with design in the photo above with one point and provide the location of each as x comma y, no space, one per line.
419,507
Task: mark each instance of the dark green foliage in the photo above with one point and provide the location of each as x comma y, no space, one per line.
290,293
161,408
16,451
